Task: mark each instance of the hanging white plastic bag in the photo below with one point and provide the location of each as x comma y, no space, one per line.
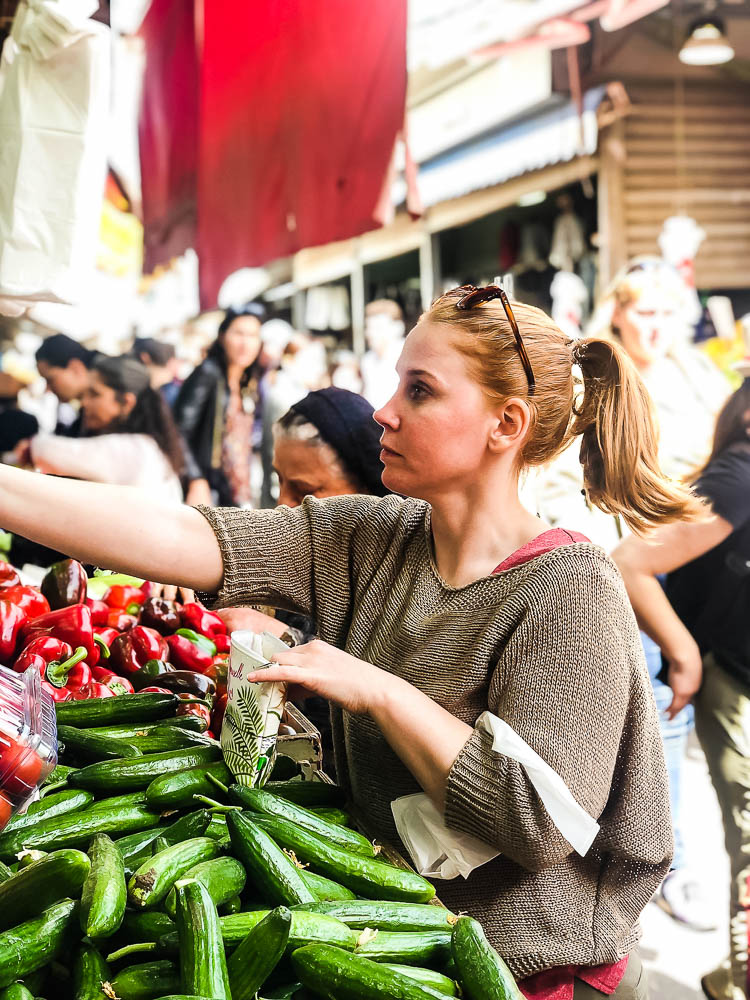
438,852
254,709
54,101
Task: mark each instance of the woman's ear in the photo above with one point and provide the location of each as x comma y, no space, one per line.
128,402
511,425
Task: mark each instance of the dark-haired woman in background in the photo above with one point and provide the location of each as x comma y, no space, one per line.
217,410
701,626
131,438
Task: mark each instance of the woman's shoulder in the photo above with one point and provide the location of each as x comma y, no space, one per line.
581,566
391,511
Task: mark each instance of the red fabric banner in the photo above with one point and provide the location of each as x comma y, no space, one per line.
300,106
168,131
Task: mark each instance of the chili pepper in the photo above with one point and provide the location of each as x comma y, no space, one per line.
190,706
188,682
148,673
64,584
120,685
99,611
92,690
120,620
134,648
12,620
57,694
195,616
122,597
8,575
72,625
107,636
187,655
161,615
28,598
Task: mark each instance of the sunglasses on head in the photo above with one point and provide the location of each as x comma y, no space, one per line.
476,296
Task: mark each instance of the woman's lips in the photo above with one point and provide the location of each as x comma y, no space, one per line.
388,453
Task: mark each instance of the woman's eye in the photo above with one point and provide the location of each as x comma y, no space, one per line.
417,391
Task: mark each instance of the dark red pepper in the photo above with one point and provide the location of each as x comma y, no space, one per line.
157,690
99,611
186,655
217,716
134,648
201,620
120,620
222,643
149,672
188,682
64,584
8,575
72,625
190,706
119,685
161,615
29,598
107,636
12,621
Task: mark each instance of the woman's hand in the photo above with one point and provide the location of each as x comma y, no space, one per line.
326,671
252,619
169,593
684,676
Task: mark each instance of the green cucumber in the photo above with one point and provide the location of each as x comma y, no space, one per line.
96,712
203,965
117,801
33,889
87,745
57,804
384,916
57,776
223,877
32,944
147,980
5,872
333,815
16,991
138,772
330,971
257,956
407,947
308,793
428,977
187,827
104,892
146,925
262,801
77,828
233,905
150,884
270,869
286,992
324,889
483,974
176,791
307,928
90,972
364,876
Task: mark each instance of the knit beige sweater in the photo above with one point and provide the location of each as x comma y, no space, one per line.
550,646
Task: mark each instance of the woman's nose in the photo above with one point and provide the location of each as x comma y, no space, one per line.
386,416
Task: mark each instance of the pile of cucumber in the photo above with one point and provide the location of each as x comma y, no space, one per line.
144,873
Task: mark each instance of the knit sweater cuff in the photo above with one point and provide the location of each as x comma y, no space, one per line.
473,791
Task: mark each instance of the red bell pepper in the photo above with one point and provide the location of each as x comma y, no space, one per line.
57,694
157,690
119,685
8,575
120,620
72,625
99,611
128,599
201,620
12,620
55,661
222,643
30,599
134,648
93,690
107,636
189,655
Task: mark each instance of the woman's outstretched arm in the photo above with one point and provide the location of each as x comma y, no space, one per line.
117,527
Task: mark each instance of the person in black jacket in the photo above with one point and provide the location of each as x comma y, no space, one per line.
217,410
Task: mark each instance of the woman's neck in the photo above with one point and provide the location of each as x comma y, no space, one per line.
474,531
234,377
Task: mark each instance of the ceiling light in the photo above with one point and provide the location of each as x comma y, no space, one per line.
706,43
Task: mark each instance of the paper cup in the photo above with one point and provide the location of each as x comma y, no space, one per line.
254,710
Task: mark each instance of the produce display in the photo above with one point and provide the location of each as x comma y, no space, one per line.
144,871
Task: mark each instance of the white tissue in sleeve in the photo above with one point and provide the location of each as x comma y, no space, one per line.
438,852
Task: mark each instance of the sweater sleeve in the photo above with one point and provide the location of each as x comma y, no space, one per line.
563,684
299,559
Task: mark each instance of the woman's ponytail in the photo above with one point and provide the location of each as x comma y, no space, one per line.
619,447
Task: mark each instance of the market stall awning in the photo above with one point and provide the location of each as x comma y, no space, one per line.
551,136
